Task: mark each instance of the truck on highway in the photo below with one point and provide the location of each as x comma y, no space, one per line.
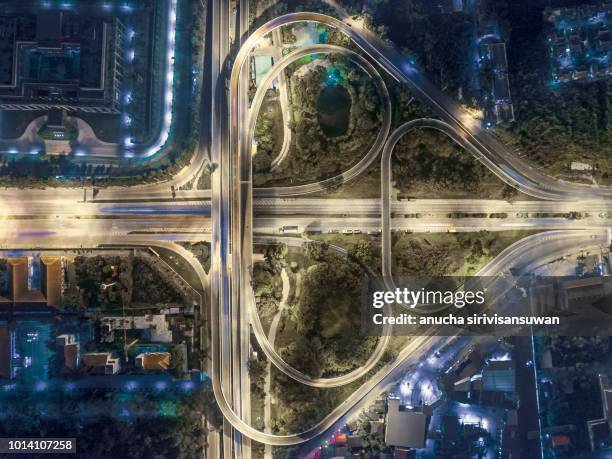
289,229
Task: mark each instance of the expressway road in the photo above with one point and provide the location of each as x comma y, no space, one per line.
242,345
219,16
69,202
189,225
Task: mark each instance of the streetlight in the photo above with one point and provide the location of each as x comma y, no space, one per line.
104,286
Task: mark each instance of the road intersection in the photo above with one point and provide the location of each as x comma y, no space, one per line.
148,215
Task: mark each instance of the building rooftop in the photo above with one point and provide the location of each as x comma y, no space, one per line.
499,376
102,363
5,352
153,360
21,295
19,290
501,87
405,428
49,27
155,327
51,279
504,112
71,356
497,55
60,58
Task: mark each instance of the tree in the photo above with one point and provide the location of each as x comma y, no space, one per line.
316,250
275,256
364,252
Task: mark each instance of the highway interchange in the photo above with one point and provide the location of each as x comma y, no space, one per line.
233,243
230,214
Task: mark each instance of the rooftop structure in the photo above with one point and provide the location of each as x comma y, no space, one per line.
153,360
499,376
21,295
60,59
100,363
70,348
466,367
494,62
155,327
405,428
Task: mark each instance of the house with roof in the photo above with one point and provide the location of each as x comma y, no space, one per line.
22,295
151,361
100,363
405,427
70,351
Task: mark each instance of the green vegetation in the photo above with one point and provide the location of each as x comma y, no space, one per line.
367,185
178,361
150,286
361,247
438,43
405,106
446,254
111,423
92,272
128,279
300,407
257,372
201,250
268,133
427,164
267,283
554,124
315,155
317,330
